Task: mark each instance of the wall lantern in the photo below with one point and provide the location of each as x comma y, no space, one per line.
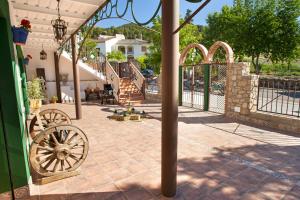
59,26
43,54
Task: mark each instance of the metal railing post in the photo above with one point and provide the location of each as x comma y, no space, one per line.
180,87
206,86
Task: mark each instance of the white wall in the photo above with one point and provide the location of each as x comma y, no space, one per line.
65,67
36,62
109,45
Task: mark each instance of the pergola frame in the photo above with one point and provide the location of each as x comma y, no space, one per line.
170,62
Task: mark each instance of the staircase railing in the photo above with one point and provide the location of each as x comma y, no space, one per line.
138,78
113,78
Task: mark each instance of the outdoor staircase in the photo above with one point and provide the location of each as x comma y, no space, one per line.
126,89
129,92
127,82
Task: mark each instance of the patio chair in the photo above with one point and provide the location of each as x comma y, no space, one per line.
108,94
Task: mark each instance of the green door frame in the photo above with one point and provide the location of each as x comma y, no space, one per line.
180,82
12,125
206,86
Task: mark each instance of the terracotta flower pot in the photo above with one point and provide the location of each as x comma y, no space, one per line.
35,104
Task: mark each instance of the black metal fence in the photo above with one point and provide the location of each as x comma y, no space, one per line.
281,96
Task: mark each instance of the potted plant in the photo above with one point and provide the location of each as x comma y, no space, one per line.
35,93
26,60
20,34
54,99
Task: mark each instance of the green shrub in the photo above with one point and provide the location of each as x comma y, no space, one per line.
280,69
34,89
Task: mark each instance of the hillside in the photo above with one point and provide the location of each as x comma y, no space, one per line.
131,31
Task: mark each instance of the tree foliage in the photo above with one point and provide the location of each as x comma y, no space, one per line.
256,28
117,56
130,31
89,50
189,34
143,61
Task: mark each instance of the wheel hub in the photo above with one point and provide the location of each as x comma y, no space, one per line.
62,152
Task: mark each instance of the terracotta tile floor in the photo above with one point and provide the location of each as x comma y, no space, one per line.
217,159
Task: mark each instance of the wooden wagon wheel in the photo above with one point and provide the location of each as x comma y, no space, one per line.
49,117
58,149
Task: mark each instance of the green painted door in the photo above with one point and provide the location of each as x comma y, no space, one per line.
5,183
13,133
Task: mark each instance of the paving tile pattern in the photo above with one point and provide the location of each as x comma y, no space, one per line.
217,159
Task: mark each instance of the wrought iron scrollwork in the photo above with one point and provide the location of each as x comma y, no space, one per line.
111,10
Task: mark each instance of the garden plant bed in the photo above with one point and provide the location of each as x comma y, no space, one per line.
128,114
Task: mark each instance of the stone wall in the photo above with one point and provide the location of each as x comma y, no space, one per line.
241,101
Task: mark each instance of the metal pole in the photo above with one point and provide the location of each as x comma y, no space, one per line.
170,63
57,78
76,79
180,86
206,86
193,86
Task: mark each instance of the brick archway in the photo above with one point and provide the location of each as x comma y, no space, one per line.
184,53
225,46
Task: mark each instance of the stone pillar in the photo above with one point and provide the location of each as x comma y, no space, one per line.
241,91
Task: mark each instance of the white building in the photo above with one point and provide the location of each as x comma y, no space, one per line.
131,48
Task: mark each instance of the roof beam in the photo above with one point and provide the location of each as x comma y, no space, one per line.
37,30
87,2
42,22
42,10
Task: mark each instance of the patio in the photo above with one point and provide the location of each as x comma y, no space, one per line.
217,159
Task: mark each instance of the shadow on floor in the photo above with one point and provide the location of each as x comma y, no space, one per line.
247,172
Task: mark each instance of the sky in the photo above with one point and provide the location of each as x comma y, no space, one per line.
144,9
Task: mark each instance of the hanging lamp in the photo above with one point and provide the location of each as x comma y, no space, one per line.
43,54
59,26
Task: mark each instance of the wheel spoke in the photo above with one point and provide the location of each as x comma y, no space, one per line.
50,162
47,120
62,165
70,140
54,138
68,163
56,165
67,138
45,159
77,146
46,148
79,154
54,118
74,157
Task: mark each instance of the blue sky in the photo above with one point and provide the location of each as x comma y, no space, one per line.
144,9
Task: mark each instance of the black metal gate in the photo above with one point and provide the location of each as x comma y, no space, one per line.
193,86
217,88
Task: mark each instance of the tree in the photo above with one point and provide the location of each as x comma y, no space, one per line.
117,56
89,50
257,28
189,34
287,40
188,13
143,61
